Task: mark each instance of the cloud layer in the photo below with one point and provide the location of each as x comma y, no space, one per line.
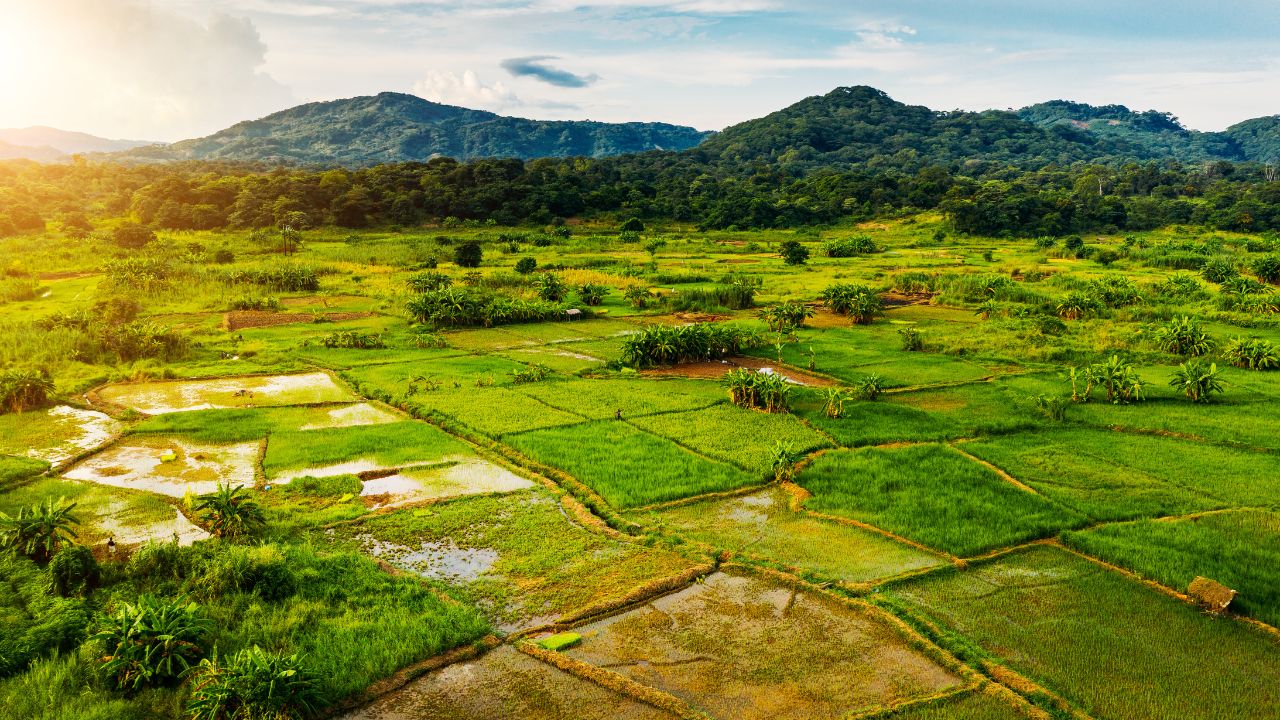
536,67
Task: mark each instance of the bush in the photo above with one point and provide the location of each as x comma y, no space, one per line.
428,281
850,246
1252,353
255,302
759,390
550,287
468,254
912,339
793,253
859,302
1197,380
253,684
1183,336
740,294
282,277
632,225
132,237
592,294
467,307
526,265
348,339
22,389
152,643
1267,268
1219,270
74,571
664,345
787,316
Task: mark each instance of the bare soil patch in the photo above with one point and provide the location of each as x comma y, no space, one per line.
243,319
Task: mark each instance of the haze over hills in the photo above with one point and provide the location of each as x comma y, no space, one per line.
46,144
394,127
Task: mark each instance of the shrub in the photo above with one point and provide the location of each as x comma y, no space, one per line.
760,390
282,277
592,294
74,571
253,684
663,345
152,643
850,246
787,316
793,253
869,387
428,281
1054,407
1252,353
468,255
464,307
229,511
1078,305
859,302
783,460
1267,268
833,400
1116,291
632,225
638,296
22,389
531,373
1183,336
1118,378
738,294
526,265
349,339
255,302
1197,380
38,531
550,287
912,339
1219,270
132,237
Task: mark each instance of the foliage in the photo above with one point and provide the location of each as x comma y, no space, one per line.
463,307
22,389
1078,305
1219,270
526,265
783,461
1118,378
592,294
154,642
468,255
869,387
770,392
793,252
39,530
1252,353
785,317
428,281
849,246
1197,380
667,345
1054,407
1267,268
550,287
230,511
1184,336
530,373
859,302
74,571
737,295
350,339
833,400
253,683
912,339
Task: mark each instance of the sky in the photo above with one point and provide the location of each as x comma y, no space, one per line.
171,69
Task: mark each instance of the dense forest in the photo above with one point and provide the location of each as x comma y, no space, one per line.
853,154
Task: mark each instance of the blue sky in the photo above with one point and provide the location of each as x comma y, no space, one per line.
166,69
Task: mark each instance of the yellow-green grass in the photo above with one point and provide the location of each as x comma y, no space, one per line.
1112,475
973,705
735,435
542,565
494,411
933,495
15,469
1108,644
627,466
391,445
762,525
467,371
1238,548
603,398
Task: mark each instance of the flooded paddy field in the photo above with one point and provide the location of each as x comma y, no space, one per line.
56,435
169,466
170,396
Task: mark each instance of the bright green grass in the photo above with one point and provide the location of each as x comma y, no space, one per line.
493,411
544,566
726,432
1240,549
15,469
231,425
390,445
600,399
455,372
1120,476
557,357
933,495
762,525
627,466
95,505
1111,646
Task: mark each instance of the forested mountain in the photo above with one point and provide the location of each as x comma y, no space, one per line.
393,127
46,144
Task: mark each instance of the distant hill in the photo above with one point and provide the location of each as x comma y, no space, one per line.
864,126
48,144
394,127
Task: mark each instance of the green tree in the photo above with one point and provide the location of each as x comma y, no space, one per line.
1197,380
793,252
230,512
38,531
468,254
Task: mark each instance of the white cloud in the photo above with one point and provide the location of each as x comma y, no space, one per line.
466,90
131,68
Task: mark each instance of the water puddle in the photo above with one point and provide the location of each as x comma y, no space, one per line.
169,466
74,431
353,415
467,477
158,398
179,529
438,559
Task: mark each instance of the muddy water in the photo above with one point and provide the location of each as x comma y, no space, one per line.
436,559
76,431
738,647
139,464
353,415
504,683
467,477
158,398
126,534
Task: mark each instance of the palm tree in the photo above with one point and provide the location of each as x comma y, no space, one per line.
1197,380
38,531
229,511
